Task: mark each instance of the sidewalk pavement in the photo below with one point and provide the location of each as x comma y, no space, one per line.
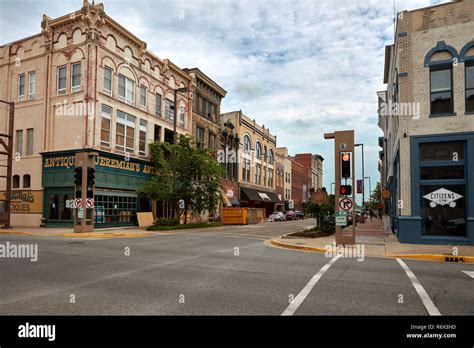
379,241
113,232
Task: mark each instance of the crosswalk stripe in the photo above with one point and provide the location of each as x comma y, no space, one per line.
469,273
425,298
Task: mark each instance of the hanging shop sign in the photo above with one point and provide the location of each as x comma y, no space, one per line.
442,197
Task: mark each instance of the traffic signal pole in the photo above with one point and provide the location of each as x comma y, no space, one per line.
344,143
85,161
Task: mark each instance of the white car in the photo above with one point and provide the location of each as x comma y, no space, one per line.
277,216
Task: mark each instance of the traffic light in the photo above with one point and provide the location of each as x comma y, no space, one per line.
345,165
346,190
90,182
78,176
90,177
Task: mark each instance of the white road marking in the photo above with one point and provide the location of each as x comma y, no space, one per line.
298,300
425,298
469,273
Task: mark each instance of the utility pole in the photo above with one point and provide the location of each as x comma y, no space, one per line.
5,217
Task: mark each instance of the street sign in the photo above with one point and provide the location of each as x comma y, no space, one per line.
80,213
90,203
341,218
360,186
74,203
345,203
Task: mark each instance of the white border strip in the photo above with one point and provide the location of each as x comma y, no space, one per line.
429,305
298,300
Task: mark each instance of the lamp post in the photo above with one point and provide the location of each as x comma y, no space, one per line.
370,187
8,147
176,91
363,181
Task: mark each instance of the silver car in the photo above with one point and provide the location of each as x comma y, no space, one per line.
277,216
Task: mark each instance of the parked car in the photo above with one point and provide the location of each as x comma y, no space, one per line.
299,215
290,215
277,216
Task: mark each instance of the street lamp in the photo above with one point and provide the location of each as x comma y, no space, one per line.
370,187
176,91
363,182
8,147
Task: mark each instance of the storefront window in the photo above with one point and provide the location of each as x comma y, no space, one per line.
58,209
115,209
443,188
443,209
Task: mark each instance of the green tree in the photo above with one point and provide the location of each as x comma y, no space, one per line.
184,172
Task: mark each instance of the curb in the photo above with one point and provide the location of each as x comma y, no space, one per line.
105,235
424,257
17,233
435,257
297,247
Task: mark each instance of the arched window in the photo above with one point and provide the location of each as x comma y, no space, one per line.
16,181
440,62
271,158
26,181
258,150
247,144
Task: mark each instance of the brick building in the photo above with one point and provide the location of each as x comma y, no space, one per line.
300,184
426,114
314,165
86,82
207,100
256,162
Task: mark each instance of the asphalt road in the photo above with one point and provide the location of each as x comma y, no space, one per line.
223,272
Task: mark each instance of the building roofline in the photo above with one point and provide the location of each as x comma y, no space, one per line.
205,77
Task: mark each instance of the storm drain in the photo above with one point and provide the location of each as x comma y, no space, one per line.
454,259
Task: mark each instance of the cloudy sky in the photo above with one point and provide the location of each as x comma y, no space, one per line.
301,67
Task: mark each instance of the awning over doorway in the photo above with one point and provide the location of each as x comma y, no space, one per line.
248,194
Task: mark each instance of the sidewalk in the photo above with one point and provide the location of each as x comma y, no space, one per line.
112,232
380,242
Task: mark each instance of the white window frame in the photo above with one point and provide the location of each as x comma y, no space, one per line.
127,98
21,95
143,88
75,88
32,85
142,128
106,68
127,122
181,116
61,90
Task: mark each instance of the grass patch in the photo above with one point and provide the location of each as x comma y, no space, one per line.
314,232
183,227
